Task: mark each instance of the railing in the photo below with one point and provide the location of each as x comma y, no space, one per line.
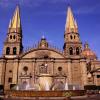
36,46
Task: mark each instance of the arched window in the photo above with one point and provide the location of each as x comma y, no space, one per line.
10,80
71,51
71,37
14,37
74,36
10,36
7,50
25,69
14,50
77,51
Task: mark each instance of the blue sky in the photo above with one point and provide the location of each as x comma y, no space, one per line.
48,17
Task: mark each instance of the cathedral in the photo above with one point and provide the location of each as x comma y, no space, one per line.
44,66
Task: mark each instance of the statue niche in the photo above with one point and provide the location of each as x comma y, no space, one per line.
43,68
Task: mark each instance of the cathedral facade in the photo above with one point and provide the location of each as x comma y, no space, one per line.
43,64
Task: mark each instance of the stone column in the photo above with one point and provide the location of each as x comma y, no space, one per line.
83,72
2,71
33,73
95,82
15,72
69,71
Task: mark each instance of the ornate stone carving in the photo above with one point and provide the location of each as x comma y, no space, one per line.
42,54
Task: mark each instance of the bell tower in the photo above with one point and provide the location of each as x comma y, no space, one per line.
13,43
72,42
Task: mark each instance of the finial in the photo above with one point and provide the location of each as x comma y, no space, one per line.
68,2
86,45
43,37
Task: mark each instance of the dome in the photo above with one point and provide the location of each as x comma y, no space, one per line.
88,53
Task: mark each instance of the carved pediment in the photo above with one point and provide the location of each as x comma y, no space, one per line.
42,54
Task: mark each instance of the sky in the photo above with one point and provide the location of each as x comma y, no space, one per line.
48,17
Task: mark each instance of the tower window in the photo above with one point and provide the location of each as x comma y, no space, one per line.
7,50
10,36
74,36
10,80
71,51
71,37
14,37
77,51
14,50
98,76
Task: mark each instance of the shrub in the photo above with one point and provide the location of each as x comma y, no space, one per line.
90,87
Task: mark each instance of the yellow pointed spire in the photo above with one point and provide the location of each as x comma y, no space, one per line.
10,23
71,24
76,26
15,23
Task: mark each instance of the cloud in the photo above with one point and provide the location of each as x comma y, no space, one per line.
34,3
81,7
4,3
86,6
88,9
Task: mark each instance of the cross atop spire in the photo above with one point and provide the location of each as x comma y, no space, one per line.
71,24
15,22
